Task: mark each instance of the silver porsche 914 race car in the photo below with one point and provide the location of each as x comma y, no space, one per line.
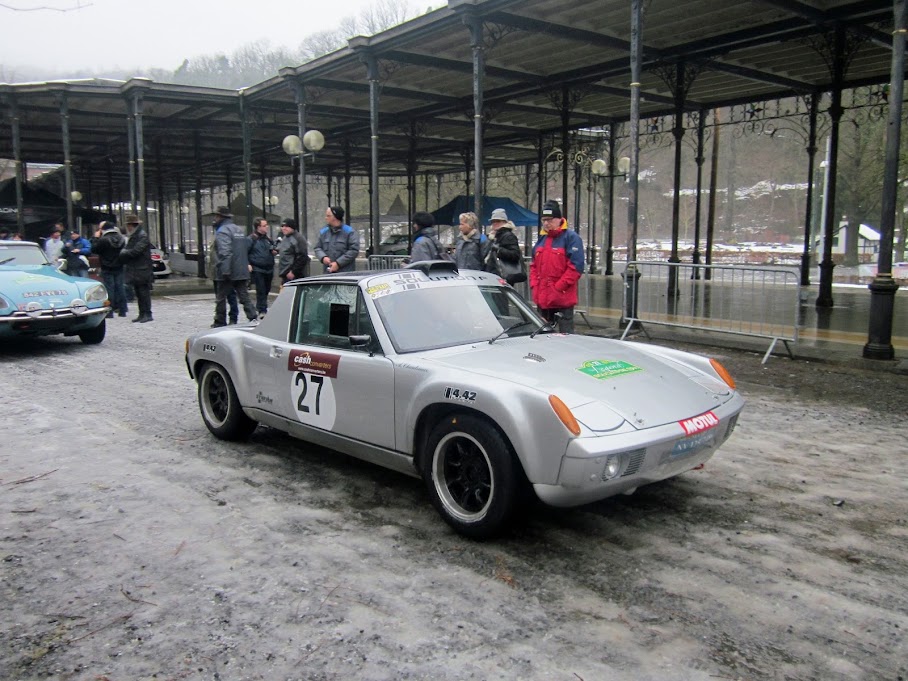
451,376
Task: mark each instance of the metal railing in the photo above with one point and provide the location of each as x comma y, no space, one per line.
746,300
386,262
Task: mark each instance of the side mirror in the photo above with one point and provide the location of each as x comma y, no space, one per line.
360,341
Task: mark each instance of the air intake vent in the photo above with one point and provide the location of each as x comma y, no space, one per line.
634,461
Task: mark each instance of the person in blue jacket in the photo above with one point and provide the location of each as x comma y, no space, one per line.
76,252
338,243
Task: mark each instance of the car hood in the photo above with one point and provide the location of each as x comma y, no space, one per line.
631,381
42,284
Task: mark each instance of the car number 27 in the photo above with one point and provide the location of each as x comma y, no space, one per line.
313,399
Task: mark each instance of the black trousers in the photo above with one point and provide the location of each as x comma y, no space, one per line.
143,298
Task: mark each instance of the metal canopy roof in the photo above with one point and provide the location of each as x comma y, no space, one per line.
542,57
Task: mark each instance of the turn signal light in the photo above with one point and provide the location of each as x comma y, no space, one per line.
564,414
723,373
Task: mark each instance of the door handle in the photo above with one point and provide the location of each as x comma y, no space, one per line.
276,352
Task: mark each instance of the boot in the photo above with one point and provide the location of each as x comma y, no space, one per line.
147,318
140,318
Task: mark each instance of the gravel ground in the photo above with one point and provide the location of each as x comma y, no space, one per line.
133,545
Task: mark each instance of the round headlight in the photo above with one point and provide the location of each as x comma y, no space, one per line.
78,306
96,294
33,309
612,468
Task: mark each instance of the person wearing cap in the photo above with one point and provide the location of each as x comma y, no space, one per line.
292,253
556,268
137,270
338,243
425,239
505,248
107,244
231,266
53,245
473,246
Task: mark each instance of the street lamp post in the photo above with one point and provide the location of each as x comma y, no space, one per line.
311,143
270,207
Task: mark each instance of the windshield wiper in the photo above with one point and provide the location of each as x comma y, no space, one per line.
3,262
504,331
548,326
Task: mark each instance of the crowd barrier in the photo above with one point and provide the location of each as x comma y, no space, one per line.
746,300
386,262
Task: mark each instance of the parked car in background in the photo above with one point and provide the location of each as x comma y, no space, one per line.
395,244
37,299
487,405
160,263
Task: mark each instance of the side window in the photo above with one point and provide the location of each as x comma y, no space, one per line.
326,315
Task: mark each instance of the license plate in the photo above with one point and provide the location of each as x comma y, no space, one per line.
694,443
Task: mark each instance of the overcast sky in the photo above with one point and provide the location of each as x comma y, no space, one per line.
97,34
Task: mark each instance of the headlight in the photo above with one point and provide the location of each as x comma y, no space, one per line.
612,468
96,294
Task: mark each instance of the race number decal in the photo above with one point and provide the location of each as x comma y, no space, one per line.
312,387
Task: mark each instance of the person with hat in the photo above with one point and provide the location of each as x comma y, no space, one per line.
137,269
107,244
338,243
292,253
76,252
505,249
556,268
425,240
53,245
231,267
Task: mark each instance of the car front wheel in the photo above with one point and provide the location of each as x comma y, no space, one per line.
94,335
220,405
472,475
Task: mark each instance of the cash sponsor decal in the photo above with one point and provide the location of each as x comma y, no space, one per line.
318,363
607,368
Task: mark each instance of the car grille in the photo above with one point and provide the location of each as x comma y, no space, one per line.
635,460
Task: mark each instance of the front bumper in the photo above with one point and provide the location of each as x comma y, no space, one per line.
49,322
643,457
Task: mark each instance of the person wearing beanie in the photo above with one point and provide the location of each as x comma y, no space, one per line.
338,243
425,239
292,253
556,268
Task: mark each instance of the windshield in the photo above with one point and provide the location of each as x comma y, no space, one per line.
16,256
443,316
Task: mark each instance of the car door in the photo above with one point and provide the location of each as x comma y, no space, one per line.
332,385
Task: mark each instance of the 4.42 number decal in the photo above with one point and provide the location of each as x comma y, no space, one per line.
459,394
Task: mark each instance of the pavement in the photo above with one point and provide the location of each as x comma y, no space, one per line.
832,344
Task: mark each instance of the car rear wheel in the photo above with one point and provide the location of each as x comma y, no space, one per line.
472,475
95,335
220,405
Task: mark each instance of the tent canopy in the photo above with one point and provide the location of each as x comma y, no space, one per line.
449,214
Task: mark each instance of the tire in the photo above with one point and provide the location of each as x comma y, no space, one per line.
95,335
220,405
472,474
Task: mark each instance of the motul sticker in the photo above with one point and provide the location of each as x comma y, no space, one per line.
607,368
699,423
319,363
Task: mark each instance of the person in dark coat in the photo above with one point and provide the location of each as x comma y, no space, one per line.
137,270
505,248
231,267
261,263
292,252
107,244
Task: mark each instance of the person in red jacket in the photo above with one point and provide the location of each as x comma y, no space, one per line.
556,268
